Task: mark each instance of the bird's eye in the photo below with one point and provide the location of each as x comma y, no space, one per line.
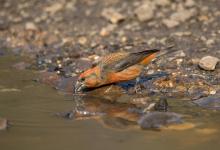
82,79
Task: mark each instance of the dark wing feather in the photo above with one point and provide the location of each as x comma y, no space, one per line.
132,59
119,61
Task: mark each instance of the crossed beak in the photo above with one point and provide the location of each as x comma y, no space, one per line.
79,87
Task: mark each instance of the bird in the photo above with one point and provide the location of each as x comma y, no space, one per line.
115,67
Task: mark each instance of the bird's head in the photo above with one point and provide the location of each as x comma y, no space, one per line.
88,79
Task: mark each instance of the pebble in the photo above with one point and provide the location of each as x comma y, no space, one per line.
30,26
82,40
54,8
170,23
189,3
195,61
208,63
157,120
107,30
145,12
112,15
3,123
210,42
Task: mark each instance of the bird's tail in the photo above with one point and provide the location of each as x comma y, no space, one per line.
147,52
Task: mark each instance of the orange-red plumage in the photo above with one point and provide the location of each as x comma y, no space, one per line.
116,67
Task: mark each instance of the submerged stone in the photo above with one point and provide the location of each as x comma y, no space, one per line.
156,120
210,102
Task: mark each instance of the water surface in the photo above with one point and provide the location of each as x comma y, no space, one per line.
30,108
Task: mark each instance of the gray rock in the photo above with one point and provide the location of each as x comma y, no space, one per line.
210,102
156,120
3,123
208,62
146,11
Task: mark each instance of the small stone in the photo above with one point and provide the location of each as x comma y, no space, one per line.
54,8
145,12
82,40
203,18
208,62
189,3
157,120
210,102
180,53
30,26
3,124
112,15
212,92
170,23
180,34
140,101
93,57
195,61
71,5
124,39
209,42
151,71
179,61
107,30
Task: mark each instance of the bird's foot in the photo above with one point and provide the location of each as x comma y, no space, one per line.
137,89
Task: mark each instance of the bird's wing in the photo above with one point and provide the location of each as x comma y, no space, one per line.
117,62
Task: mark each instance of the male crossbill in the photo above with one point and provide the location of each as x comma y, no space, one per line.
115,67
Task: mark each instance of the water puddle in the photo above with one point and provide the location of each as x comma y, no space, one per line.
32,108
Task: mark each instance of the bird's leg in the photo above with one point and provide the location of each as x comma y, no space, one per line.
108,89
137,86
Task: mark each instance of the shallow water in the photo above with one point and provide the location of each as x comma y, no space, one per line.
30,108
